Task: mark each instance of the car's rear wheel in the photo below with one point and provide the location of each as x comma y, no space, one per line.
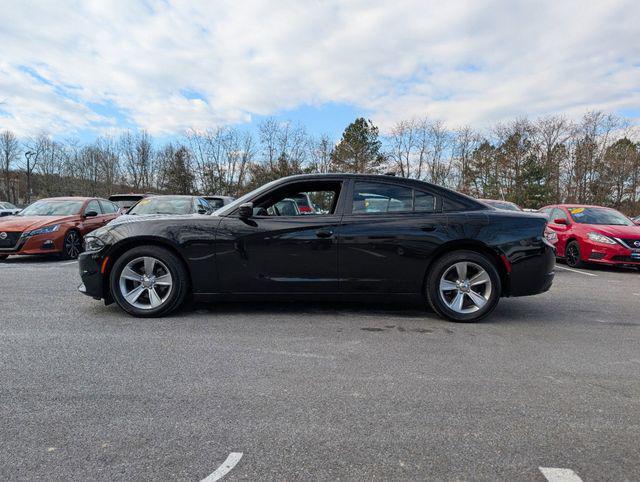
463,286
572,255
148,281
72,245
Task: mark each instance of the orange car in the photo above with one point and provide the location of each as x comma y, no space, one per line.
54,225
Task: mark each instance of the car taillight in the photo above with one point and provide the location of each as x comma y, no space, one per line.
304,209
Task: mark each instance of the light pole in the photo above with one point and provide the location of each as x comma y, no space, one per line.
29,155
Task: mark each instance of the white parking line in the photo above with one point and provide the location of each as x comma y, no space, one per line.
227,465
576,271
553,474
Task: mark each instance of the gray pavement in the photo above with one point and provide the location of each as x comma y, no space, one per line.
318,391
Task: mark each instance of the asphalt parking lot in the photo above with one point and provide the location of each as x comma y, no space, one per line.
318,391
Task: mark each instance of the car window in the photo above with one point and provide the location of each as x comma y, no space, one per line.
558,213
373,197
311,198
204,205
424,202
216,203
108,207
93,205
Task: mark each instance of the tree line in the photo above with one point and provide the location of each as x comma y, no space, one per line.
530,162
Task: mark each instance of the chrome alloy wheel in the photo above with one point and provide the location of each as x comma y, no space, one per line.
465,287
145,283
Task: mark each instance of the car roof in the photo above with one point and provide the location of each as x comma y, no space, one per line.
68,198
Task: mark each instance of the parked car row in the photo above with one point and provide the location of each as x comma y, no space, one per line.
59,225
585,234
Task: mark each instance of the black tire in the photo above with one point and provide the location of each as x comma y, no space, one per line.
572,255
490,290
172,299
3,257
72,245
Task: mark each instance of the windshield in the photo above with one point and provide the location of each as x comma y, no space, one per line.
163,205
7,206
599,216
232,206
52,208
125,202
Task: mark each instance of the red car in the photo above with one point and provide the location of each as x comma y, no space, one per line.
54,225
594,234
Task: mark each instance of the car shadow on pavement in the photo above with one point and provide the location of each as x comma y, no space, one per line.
34,259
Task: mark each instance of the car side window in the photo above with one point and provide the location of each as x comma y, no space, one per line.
310,198
93,205
424,202
373,197
108,207
558,213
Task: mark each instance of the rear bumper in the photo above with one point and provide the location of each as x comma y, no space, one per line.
533,274
92,280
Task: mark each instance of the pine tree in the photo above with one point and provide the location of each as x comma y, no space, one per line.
359,150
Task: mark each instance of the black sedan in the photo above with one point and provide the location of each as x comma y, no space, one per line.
370,237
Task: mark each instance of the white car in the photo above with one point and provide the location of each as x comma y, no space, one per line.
8,209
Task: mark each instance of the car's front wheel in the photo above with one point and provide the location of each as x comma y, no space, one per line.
72,245
148,281
573,256
463,286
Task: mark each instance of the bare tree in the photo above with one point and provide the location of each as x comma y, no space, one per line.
10,152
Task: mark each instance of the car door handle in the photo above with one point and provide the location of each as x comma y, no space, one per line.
324,233
428,228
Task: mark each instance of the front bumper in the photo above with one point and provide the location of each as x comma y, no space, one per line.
92,279
39,244
609,254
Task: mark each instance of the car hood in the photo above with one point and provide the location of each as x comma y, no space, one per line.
617,231
29,223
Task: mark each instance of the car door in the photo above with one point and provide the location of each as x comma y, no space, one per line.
387,234
91,223
562,230
109,210
281,252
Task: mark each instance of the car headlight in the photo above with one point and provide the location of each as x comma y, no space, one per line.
46,230
600,238
93,243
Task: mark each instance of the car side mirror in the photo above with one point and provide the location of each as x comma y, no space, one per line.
90,214
560,221
245,211
202,211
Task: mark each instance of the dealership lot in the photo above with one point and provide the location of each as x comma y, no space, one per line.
317,391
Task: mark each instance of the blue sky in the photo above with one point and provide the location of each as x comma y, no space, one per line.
85,69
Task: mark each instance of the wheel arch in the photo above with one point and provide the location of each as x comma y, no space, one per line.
125,245
471,245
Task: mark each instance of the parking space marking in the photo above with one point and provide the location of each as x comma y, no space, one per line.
227,465
553,474
576,271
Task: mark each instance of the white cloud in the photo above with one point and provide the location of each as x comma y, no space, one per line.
461,61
